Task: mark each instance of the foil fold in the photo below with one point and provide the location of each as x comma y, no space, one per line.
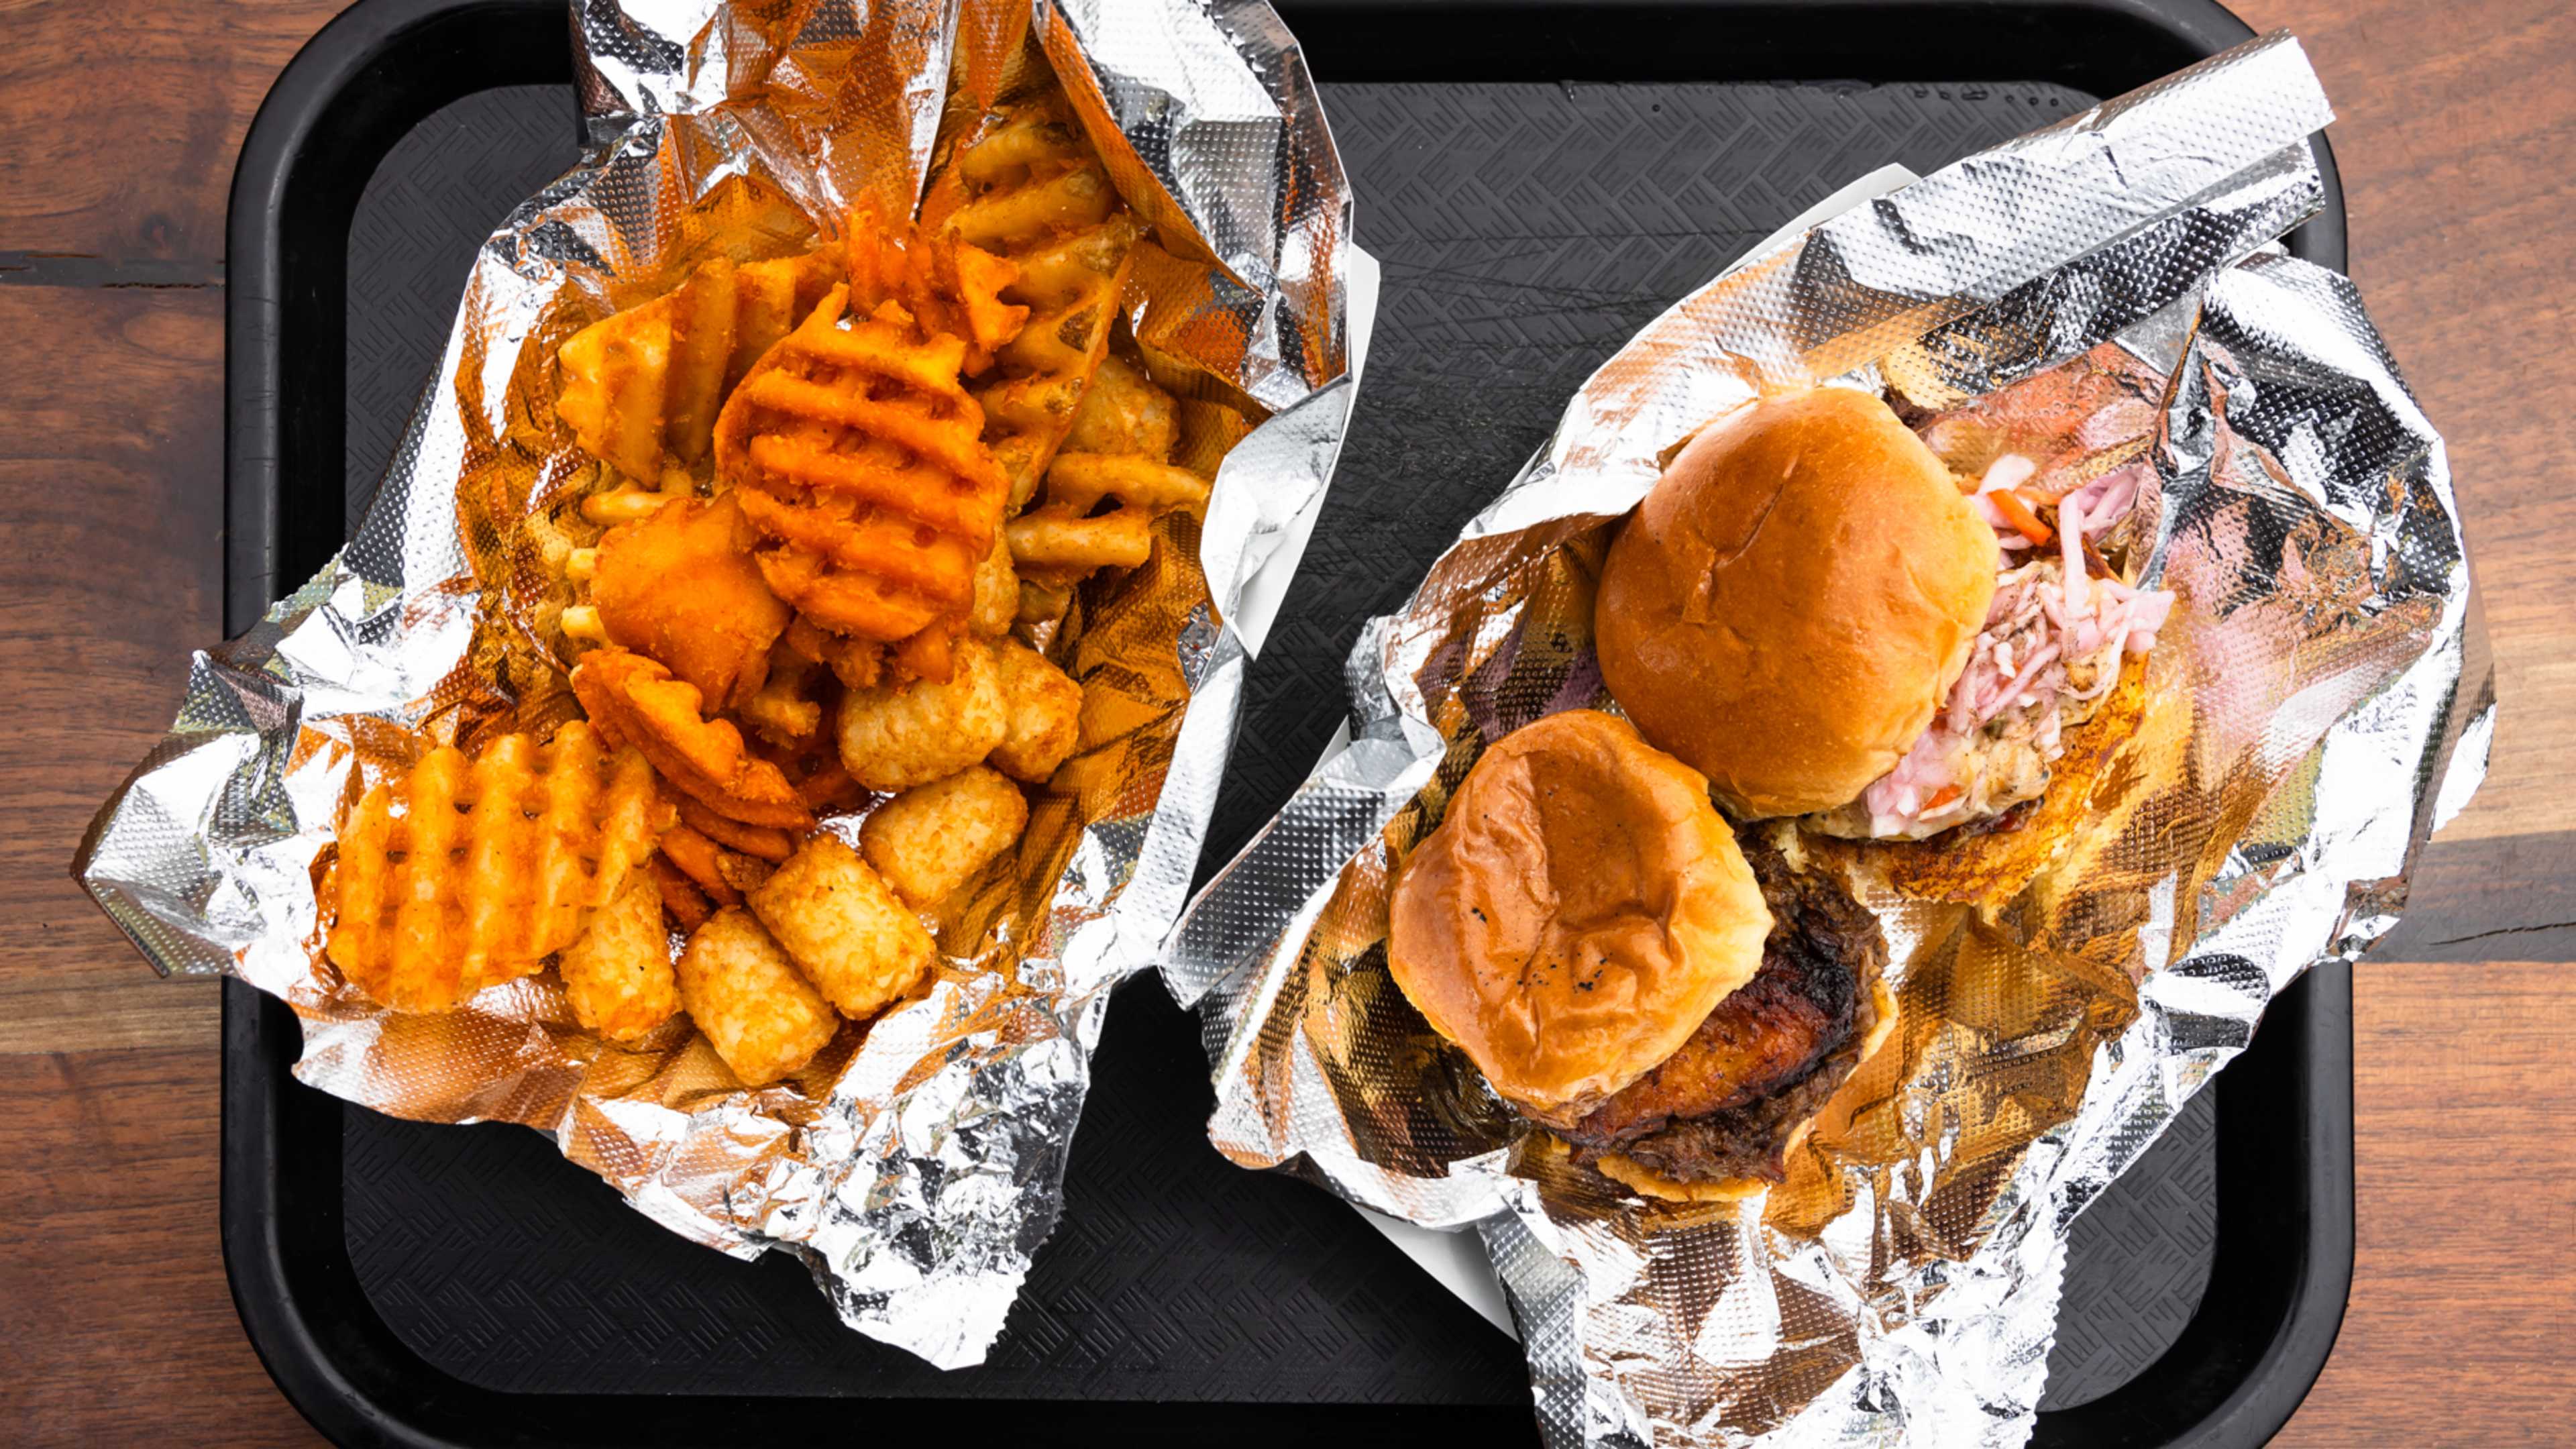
2102,294
915,1166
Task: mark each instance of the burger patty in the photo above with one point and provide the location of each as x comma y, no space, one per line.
1726,1104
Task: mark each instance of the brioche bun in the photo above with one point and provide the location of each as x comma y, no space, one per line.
1580,910
1793,599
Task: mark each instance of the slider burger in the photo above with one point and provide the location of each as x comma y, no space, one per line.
1810,609
1672,1004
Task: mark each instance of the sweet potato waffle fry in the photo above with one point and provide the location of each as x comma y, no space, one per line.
461,874
636,701
855,453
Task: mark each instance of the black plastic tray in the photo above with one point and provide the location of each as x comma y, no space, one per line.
409,1284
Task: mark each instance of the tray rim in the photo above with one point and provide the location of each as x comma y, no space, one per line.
383,66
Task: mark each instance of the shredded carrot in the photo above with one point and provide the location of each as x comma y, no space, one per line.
2017,512
1942,796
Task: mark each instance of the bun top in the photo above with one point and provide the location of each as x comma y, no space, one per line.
1793,600
1579,912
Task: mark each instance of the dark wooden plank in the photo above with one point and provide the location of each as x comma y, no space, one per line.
119,1325
111,497
123,118
2478,899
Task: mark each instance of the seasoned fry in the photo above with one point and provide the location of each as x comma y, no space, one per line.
617,977
752,840
1046,542
640,388
784,709
458,875
997,591
1118,452
856,453
744,873
1028,187
675,589
813,767
1124,412
855,662
854,940
637,702
770,296
699,860
613,375
896,736
931,839
761,1017
1045,714
680,895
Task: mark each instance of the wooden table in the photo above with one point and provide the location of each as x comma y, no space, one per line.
2457,140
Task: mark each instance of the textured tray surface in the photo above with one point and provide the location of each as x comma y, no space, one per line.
1527,231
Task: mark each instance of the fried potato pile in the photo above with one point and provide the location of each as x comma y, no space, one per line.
825,491
855,453
462,874
1085,435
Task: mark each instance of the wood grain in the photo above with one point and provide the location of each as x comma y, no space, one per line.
2462,1289
144,178
116,1325
111,477
2456,137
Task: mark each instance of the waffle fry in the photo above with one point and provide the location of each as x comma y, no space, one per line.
459,875
844,929
641,387
854,451
617,977
949,288
761,1017
1117,452
1028,187
931,839
635,701
676,589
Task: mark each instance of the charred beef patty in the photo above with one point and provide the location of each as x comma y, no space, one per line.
1727,1103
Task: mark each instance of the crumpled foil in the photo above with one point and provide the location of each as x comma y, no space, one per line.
2097,295
917,1164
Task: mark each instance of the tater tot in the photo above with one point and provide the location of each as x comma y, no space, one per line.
997,590
856,942
1045,708
928,840
894,737
762,1018
617,976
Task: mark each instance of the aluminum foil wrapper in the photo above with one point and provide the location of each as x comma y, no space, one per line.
2097,295
918,1163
